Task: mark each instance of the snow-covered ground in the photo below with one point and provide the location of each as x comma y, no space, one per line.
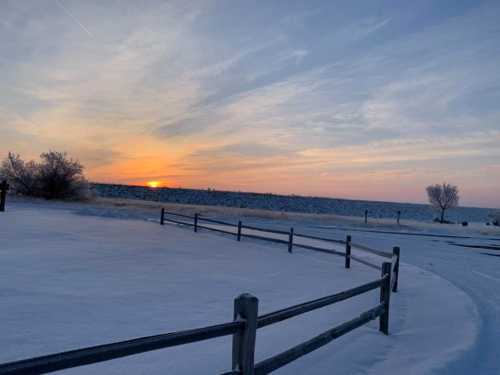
69,280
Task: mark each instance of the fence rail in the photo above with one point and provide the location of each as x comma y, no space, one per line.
293,311
274,363
164,218
340,242
216,221
367,249
274,231
215,229
320,249
101,353
243,328
365,262
270,239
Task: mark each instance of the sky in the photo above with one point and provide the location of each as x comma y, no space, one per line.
351,99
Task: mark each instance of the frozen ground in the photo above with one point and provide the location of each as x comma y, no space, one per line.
71,280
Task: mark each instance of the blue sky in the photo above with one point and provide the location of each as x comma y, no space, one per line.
356,99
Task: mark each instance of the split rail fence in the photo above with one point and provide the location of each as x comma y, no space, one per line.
243,330
241,230
246,320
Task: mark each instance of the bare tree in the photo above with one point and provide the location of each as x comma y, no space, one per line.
443,197
61,177
55,177
21,176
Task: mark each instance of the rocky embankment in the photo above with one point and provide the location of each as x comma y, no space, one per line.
287,203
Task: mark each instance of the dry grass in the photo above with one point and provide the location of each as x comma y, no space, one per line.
131,207
319,219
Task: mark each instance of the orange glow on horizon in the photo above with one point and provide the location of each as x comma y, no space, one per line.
154,184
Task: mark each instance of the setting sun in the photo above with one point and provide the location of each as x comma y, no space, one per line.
154,184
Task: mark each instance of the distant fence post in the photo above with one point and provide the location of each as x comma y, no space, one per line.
290,241
4,187
396,251
399,216
246,309
162,217
348,252
196,222
366,216
238,235
385,296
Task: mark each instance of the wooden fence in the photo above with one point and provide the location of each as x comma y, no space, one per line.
240,230
243,329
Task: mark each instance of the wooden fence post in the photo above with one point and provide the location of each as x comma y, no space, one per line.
238,236
196,222
246,309
396,251
4,187
385,297
290,241
366,216
162,217
348,252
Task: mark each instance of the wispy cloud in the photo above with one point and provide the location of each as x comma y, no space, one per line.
296,55
65,10
228,97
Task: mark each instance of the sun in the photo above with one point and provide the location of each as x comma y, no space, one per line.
154,184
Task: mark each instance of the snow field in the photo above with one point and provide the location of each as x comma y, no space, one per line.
70,281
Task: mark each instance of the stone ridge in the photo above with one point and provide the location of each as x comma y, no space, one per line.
287,203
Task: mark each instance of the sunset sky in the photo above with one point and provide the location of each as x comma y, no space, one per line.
353,99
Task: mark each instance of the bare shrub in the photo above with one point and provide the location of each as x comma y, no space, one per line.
56,176
443,197
61,177
21,176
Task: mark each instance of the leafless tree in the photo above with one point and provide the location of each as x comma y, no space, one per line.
56,177
443,197
61,177
20,175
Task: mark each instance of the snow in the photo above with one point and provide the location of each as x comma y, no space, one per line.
469,269
71,280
